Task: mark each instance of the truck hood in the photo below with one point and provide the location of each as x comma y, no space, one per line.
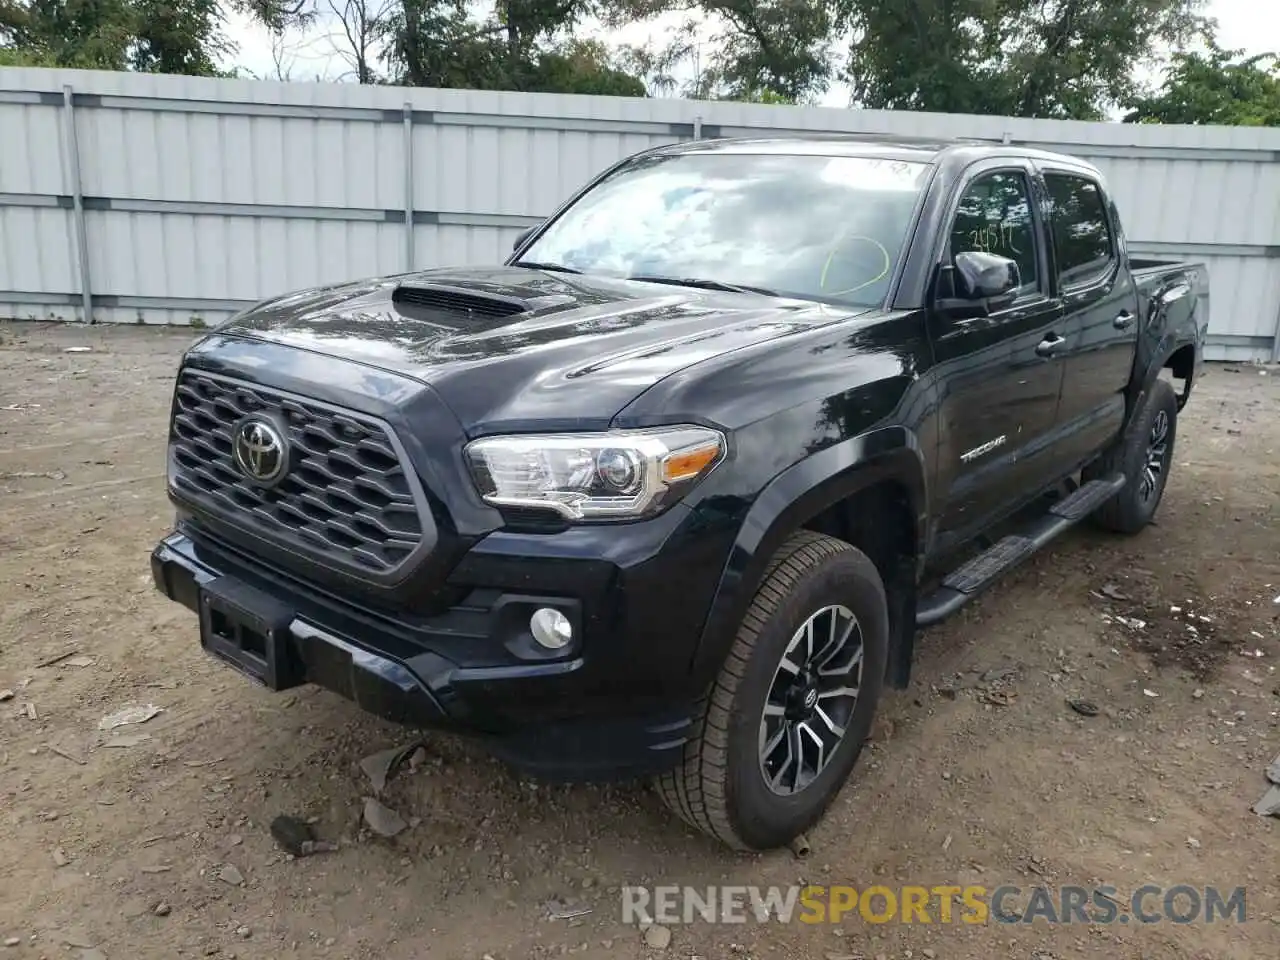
507,346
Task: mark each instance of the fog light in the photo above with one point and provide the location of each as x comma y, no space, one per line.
551,628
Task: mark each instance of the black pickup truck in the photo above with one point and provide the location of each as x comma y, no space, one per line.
670,492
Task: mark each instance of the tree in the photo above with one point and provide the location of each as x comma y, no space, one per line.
178,36
157,36
1026,58
88,34
587,67
521,45
1215,86
760,50
364,26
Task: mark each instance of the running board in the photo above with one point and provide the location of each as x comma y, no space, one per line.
967,581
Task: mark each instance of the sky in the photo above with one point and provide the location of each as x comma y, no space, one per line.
1249,25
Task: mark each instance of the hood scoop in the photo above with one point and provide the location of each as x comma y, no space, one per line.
459,301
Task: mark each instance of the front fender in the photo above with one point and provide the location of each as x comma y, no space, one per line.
792,498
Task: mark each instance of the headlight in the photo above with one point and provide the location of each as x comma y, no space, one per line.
624,474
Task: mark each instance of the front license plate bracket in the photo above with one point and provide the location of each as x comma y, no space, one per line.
249,630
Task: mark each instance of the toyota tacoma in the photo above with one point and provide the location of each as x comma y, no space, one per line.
670,492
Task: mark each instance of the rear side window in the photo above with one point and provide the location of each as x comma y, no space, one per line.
1081,234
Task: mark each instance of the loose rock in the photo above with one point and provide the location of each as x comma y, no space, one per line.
659,938
417,757
291,833
996,674
228,873
1086,708
162,909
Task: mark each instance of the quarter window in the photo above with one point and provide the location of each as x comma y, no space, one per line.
994,216
1081,234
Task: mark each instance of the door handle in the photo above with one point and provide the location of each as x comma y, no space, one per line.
1123,320
1049,345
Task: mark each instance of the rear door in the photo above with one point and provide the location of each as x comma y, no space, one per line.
998,383
1098,295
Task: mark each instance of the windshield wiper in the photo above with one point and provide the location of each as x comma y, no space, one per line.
535,265
704,284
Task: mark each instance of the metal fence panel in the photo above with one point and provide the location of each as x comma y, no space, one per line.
201,196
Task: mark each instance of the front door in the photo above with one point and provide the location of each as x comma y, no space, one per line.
1101,309
999,376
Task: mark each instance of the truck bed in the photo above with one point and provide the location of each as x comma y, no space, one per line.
1145,268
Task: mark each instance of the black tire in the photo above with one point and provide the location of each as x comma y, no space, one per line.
720,786
1135,505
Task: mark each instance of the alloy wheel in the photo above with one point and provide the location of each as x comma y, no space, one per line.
1157,451
811,699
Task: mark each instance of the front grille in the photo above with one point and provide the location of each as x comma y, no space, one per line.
347,500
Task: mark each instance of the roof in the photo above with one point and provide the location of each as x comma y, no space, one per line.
918,149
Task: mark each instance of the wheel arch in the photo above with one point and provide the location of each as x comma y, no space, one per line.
826,493
1173,338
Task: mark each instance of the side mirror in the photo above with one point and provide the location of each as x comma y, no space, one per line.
987,277
976,285
523,235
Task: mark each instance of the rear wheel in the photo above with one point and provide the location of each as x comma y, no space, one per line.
1144,455
785,720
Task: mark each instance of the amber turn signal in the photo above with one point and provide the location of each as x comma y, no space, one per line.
687,464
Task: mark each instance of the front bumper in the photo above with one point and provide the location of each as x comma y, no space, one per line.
575,717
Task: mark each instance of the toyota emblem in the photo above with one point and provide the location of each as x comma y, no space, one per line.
260,451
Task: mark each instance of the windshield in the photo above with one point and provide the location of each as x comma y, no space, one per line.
814,227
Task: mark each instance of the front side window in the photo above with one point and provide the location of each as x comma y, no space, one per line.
826,228
994,216
1081,235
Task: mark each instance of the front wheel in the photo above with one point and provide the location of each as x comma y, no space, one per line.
783,724
1144,455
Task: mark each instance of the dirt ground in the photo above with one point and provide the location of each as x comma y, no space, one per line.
157,844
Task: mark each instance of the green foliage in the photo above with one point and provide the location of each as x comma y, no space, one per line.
1032,58
10,57
89,34
1218,86
584,66
523,45
1026,58
168,36
762,50
178,36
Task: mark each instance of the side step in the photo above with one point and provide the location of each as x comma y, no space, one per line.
967,581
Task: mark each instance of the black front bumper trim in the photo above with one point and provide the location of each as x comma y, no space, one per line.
428,690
